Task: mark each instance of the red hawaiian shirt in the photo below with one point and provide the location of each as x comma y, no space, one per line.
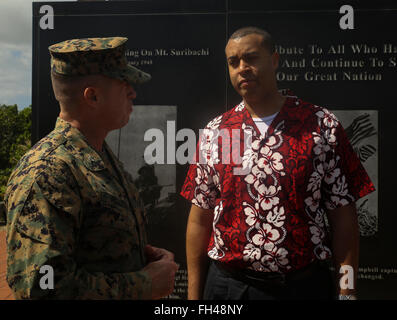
269,193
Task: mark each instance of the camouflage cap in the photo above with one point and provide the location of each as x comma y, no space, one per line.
89,56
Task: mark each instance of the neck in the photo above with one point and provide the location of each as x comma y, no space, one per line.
266,106
93,134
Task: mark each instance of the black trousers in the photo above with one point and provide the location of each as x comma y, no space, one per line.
221,285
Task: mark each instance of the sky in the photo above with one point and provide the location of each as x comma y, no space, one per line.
16,52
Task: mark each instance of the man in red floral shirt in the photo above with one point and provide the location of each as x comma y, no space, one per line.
260,214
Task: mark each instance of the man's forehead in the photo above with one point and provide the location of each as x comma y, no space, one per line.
250,42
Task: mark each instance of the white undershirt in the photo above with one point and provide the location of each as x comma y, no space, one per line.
264,123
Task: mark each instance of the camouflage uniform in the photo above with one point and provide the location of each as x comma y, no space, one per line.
79,213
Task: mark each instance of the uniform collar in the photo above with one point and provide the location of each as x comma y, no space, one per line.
89,156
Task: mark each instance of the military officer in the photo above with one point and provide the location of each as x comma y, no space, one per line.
71,207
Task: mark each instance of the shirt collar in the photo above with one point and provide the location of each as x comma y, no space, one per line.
290,101
89,156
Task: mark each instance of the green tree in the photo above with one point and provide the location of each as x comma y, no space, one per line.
15,136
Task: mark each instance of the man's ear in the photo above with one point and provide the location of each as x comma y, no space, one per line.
90,96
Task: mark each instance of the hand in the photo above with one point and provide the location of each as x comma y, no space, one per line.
161,269
155,254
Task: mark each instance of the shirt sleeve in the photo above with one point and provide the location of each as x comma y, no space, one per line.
43,231
345,179
201,181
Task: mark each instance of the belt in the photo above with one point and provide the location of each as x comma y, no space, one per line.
274,279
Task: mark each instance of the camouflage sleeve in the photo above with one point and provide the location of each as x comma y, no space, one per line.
43,230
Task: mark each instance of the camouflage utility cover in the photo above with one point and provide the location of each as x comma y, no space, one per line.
68,209
79,57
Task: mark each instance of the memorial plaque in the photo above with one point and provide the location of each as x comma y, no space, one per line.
343,60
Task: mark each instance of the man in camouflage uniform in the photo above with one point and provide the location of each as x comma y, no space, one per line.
71,205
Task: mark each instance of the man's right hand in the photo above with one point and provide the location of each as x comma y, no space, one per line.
162,272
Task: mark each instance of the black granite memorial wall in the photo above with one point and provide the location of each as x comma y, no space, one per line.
181,44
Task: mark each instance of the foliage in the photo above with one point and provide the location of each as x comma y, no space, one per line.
15,136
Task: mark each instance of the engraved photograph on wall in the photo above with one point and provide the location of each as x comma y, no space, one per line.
361,127
156,182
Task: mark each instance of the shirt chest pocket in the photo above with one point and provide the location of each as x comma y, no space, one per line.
110,233
111,209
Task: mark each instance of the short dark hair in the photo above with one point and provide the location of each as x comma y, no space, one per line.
267,41
68,90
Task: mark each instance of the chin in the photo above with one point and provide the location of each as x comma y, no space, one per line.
120,124
127,119
247,94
